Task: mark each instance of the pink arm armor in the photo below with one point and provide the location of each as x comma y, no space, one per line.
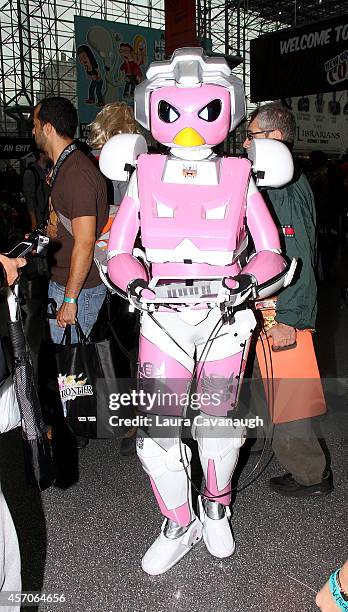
264,265
122,266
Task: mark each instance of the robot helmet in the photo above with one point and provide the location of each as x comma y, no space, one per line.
190,100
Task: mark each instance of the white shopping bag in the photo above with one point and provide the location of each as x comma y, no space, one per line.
9,410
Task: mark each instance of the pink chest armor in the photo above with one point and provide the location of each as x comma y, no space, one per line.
210,216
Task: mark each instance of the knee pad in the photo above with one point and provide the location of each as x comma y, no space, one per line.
166,468
216,435
218,443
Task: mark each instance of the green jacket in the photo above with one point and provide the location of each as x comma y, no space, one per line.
294,212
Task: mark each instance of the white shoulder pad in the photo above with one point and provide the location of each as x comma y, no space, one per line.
272,162
120,150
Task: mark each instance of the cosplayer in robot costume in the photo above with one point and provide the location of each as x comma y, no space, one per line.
193,209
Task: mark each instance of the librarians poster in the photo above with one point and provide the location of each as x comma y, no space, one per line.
112,58
321,122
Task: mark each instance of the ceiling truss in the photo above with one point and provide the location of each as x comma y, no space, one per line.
37,37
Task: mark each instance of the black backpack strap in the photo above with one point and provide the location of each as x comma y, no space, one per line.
40,182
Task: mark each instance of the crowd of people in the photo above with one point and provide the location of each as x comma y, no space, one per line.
64,190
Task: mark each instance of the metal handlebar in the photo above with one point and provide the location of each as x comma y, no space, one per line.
225,298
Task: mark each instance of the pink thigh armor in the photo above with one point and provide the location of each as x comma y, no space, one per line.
219,364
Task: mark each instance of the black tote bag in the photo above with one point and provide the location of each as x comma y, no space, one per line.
86,377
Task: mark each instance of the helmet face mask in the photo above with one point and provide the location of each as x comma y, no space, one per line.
183,93
190,117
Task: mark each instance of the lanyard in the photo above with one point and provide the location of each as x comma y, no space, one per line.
61,159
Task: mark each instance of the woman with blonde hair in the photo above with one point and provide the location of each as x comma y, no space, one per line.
114,118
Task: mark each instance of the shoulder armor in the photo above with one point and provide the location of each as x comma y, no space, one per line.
119,151
272,162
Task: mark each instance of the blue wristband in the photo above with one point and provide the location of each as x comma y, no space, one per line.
70,300
336,592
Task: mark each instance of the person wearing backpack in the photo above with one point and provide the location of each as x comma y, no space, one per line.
35,188
34,280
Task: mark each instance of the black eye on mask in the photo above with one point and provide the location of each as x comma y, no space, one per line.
211,111
167,112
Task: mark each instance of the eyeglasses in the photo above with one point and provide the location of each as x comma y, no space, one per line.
251,135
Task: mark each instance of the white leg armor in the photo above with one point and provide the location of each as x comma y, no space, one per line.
162,460
219,456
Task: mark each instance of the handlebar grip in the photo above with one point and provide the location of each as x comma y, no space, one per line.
136,284
244,281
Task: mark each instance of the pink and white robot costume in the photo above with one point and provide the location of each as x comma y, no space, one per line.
193,209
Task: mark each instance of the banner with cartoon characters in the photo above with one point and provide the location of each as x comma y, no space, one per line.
300,61
112,58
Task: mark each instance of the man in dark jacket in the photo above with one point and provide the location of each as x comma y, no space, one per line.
295,443
34,280
35,188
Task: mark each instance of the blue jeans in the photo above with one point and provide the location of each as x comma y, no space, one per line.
88,305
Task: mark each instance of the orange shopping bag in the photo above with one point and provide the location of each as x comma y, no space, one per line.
296,389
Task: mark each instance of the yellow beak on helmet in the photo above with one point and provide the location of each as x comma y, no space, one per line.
188,137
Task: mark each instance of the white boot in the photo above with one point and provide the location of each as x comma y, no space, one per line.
165,552
217,533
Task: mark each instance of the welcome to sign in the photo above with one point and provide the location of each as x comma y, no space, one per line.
300,61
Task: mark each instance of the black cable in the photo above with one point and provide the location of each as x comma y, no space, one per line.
168,334
243,486
181,444
208,345
210,494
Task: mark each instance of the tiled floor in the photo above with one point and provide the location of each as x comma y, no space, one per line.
98,530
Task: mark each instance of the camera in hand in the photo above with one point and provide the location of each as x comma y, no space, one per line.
36,241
